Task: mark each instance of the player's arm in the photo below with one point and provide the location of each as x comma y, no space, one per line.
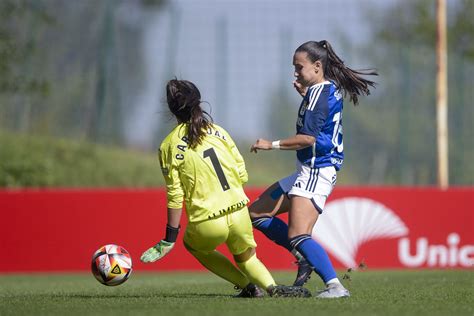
313,122
164,246
169,169
171,234
174,217
175,200
299,141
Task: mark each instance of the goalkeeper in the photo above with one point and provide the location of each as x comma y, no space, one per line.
202,166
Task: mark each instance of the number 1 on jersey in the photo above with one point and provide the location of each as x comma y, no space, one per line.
217,167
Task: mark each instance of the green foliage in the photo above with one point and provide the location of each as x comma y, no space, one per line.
40,161
462,30
391,137
387,293
32,161
18,45
60,76
413,23
63,66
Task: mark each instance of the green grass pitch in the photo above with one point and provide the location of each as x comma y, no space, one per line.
421,292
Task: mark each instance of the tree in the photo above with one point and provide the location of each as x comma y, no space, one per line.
399,124
59,75
17,48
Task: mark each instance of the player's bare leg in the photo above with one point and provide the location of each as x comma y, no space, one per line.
270,203
302,218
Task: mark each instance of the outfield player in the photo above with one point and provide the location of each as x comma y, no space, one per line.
202,166
322,79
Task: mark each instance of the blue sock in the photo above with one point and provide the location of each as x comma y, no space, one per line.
315,255
275,229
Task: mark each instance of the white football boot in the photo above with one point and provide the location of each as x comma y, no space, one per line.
334,290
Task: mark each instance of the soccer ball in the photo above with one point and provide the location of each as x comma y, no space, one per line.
111,265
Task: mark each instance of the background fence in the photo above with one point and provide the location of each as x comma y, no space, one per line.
59,230
95,71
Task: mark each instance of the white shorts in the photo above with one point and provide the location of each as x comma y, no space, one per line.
313,183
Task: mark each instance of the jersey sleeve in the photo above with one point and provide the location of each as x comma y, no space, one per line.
174,189
239,160
317,112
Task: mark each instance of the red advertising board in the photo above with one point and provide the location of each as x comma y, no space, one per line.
59,230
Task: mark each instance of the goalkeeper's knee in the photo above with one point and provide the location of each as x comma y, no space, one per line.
244,256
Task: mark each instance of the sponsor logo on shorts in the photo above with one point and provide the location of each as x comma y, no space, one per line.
230,209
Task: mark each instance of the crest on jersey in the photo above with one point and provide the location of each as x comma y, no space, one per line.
304,106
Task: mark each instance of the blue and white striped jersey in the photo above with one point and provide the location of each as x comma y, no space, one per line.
320,116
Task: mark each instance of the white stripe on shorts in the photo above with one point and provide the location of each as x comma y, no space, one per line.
313,183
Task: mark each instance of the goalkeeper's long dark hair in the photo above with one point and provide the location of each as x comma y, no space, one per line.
347,80
184,101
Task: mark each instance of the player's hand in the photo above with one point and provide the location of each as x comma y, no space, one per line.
156,252
300,88
261,144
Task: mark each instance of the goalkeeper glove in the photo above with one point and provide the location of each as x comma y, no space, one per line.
157,252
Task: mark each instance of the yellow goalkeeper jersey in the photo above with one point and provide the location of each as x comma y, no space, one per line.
208,178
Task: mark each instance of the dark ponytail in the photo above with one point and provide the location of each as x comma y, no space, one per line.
184,101
348,80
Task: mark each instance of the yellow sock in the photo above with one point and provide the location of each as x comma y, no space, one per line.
257,272
217,263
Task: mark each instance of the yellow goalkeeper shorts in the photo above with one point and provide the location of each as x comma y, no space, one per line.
234,229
